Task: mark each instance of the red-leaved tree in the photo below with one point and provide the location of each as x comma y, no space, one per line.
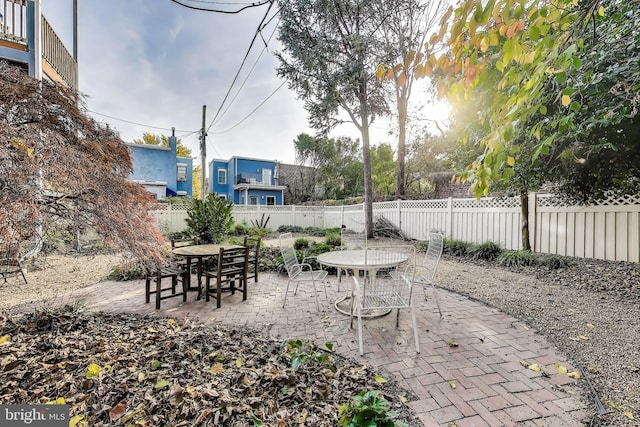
62,172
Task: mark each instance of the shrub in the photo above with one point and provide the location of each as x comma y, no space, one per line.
487,251
209,220
456,247
240,229
556,262
126,271
301,244
333,240
517,259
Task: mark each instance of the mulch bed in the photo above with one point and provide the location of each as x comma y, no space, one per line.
119,369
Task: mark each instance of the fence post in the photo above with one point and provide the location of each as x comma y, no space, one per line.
533,217
293,214
399,216
449,220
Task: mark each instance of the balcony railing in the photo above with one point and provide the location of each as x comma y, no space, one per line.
14,29
57,56
13,24
251,178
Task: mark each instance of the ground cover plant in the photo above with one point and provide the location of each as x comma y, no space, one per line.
143,370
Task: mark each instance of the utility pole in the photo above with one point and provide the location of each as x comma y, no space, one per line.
203,152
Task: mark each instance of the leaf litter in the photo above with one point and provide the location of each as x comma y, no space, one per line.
140,370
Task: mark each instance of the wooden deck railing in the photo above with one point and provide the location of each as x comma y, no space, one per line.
14,28
57,56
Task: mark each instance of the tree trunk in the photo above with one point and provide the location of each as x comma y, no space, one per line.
524,210
366,159
402,143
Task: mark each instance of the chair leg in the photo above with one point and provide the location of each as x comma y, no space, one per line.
286,291
158,291
206,289
415,329
435,296
219,291
361,347
184,287
244,289
147,289
315,292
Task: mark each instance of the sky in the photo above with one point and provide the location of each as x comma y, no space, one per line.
150,65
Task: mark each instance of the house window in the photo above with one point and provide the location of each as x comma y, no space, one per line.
271,200
253,200
222,176
242,200
222,196
182,172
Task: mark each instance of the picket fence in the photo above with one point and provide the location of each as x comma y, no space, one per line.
608,230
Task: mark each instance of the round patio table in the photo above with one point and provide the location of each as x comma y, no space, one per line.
199,252
360,260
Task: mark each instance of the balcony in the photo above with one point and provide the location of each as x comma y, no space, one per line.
254,181
17,26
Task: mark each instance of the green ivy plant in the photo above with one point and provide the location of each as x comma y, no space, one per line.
367,409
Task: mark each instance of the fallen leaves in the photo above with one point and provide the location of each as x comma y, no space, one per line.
144,371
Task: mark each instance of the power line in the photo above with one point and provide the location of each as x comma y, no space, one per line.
252,111
266,43
189,132
255,36
250,5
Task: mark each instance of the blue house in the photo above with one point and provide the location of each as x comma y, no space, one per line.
246,181
28,41
160,171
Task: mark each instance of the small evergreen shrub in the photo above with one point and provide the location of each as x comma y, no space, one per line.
456,248
126,271
487,251
519,258
333,240
556,262
301,244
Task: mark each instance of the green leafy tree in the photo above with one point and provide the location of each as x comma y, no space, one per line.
329,59
163,141
210,220
535,48
404,33
196,182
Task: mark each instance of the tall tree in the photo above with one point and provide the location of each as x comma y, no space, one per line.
329,59
63,172
163,141
404,30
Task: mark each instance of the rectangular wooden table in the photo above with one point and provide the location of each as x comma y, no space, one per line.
199,252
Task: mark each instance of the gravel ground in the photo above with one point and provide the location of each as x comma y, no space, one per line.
590,311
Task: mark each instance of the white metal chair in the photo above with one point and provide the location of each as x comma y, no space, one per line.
298,271
352,236
425,269
387,287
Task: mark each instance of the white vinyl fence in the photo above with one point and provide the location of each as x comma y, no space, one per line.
609,230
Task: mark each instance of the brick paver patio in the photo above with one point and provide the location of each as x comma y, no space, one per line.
492,388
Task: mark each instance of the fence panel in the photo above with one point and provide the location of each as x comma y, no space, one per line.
608,230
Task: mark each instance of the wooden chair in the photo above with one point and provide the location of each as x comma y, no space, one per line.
231,274
175,273
10,260
253,244
298,272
